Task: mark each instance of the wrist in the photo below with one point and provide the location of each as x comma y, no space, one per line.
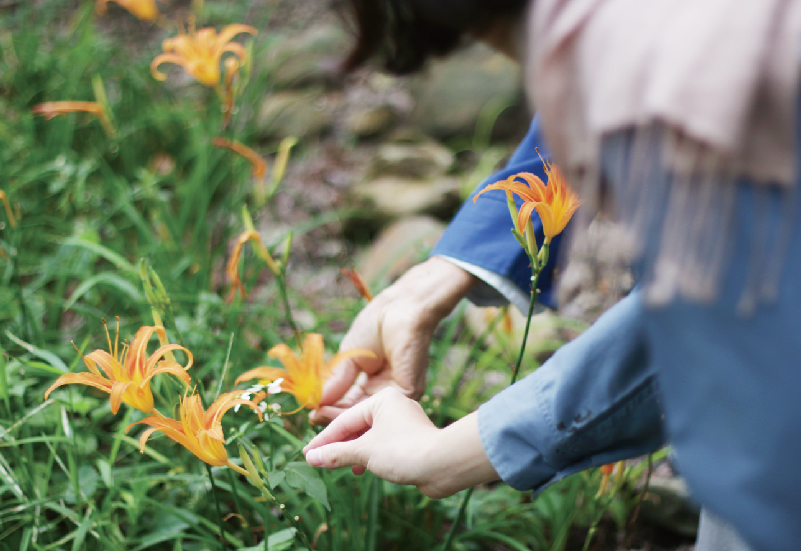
437,286
456,460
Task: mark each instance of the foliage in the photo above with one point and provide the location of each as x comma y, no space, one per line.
87,209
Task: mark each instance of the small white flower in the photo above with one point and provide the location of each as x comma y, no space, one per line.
256,388
263,406
244,396
275,407
275,386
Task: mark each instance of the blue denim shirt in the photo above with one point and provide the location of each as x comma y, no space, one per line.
728,384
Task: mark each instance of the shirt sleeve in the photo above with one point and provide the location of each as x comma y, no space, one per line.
594,402
479,238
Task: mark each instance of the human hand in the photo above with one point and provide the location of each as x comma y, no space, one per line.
391,436
397,326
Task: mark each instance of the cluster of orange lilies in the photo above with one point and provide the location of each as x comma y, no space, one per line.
200,53
126,370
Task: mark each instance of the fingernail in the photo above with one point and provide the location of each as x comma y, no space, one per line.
315,458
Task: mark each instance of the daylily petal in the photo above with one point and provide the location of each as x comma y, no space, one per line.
111,367
237,49
311,359
89,379
524,214
171,368
263,372
549,224
117,390
287,357
230,31
161,351
521,190
165,58
353,353
144,437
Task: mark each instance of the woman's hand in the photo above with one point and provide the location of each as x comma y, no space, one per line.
391,436
397,326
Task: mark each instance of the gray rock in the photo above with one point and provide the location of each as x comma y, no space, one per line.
423,161
307,58
366,122
302,113
397,196
399,247
458,91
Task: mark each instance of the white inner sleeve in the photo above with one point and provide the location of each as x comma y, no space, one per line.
494,289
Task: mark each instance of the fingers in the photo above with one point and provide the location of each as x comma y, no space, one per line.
353,421
339,382
344,374
338,454
325,414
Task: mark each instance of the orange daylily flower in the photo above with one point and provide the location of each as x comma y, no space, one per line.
555,202
232,269
199,431
259,164
145,10
199,52
51,109
358,282
128,370
303,376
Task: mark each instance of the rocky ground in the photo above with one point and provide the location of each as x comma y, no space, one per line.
396,156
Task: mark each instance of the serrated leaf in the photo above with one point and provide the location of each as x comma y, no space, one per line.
275,479
302,476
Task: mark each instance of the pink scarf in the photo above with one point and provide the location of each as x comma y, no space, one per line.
715,82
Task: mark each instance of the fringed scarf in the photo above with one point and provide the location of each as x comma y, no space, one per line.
704,90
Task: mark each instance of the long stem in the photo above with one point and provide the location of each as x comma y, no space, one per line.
234,491
285,298
534,294
459,516
217,506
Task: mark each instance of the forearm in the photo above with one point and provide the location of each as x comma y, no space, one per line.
594,402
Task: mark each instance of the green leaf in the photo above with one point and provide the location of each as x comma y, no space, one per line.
118,261
108,278
279,541
49,357
87,481
275,479
302,476
80,534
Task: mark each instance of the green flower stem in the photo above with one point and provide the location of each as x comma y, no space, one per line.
289,517
232,482
217,506
281,280
534,294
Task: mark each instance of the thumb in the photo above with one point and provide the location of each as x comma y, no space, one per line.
344,376
341,379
